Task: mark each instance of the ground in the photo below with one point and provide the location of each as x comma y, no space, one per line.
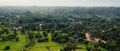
14,46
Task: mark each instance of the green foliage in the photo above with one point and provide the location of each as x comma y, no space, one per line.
7,48
59,24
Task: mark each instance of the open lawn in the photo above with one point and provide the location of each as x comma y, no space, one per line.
42,46
14,46
53,46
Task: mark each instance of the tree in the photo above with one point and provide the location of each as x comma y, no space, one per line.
70,47
45,34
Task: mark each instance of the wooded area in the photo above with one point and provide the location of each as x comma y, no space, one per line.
60,28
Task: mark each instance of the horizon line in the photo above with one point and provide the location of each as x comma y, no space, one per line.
55,6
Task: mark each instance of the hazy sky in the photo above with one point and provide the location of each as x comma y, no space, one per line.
60,3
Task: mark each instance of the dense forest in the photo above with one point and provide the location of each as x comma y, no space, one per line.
60,28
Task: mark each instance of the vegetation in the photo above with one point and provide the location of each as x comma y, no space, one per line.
59,28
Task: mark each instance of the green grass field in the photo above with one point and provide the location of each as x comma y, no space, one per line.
14,46
52,45
42,46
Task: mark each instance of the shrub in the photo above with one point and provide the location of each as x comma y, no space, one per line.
7,48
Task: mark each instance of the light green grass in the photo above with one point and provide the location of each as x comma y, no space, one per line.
80,50
83,46
42,46
53,46
103,49
49,37
14,46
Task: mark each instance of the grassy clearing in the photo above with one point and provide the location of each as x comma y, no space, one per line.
103,49
42,46
14,46
80,50
49,37
83,46
53,46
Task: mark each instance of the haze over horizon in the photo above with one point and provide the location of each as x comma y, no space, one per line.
88,3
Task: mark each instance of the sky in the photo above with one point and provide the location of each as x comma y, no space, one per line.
115,3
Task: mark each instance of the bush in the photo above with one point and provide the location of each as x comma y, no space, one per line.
40,40
7,48
17,39
43,40
38,36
